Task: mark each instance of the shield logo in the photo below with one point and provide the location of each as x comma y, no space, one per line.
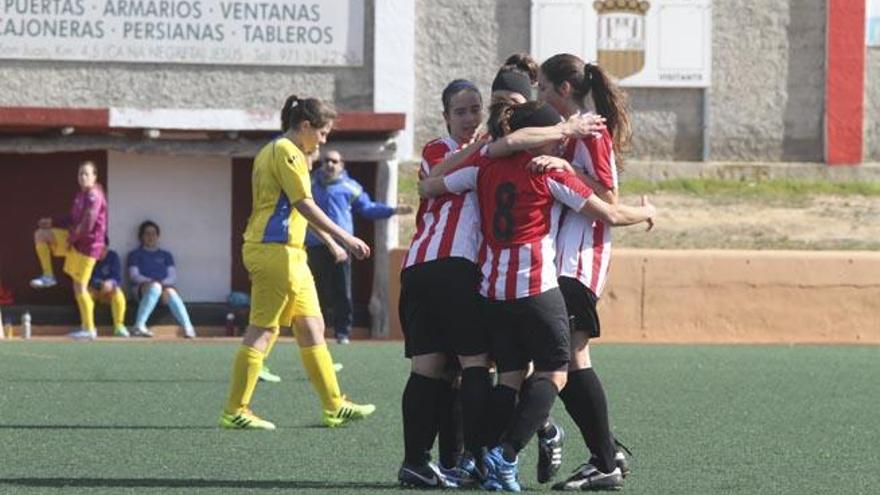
621,35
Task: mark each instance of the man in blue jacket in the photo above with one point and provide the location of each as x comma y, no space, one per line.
339,196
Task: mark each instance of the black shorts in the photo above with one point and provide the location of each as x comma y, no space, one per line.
529,329
581,305
439,308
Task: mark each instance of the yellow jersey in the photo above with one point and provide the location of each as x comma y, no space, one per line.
280,179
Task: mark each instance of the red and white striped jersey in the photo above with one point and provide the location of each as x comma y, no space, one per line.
584,243
448,225
519,217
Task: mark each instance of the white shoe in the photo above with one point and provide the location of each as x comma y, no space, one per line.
44,282
189,333
82,334
121,331
141,331
344,340
337,367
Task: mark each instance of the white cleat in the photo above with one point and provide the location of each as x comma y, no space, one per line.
43,282
83,334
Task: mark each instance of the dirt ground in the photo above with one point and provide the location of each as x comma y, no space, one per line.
687,221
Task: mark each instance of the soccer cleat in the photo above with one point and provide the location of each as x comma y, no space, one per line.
83,334
244,420
620,459
427,476
464,475
141,331
588,477
550,453
500,474
120,331
189,333
343,340
347,411
43,282
267,376
337,367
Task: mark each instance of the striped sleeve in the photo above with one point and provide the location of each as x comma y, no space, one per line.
568,189
601,149
462,179
433,153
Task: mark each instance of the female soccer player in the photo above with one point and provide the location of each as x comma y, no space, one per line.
584,252
106,287
282,288
519,214
439,312
153,276
79,239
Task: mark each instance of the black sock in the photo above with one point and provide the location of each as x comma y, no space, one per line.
585,402
502,405
476,388
449,426
419,406
531,412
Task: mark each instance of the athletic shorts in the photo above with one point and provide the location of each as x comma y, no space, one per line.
439,308
282,287
581,305
78,265
529,329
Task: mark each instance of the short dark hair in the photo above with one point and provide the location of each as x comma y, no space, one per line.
144,226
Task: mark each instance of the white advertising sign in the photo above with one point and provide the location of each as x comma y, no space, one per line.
249,32
643,43
872,30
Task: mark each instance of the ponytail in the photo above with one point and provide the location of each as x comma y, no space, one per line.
311,110
499,117
610,102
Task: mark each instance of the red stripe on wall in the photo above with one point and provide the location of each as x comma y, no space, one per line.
845,82
93,118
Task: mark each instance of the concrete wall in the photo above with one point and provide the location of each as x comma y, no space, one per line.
189,197
462,39
872,105
76,84
765,103
656,296
766,99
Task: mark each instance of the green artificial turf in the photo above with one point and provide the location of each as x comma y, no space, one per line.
139,417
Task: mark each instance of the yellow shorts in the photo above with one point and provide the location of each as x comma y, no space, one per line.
59,247
282,287
79,266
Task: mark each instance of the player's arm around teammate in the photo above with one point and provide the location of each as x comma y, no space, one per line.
282,288
439,313
584,252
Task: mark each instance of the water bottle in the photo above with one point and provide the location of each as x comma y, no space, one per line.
26,325
230,324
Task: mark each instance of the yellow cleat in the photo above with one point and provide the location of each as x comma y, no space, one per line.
347,411
244,420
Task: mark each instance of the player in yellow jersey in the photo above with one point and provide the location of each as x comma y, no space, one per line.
282,288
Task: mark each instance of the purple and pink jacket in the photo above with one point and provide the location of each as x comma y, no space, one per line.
87,222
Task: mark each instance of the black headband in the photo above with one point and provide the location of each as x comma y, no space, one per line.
543,116
513,80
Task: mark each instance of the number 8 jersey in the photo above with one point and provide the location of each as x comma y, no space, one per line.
519,214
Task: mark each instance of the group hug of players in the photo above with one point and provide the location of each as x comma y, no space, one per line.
510,255
509,258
